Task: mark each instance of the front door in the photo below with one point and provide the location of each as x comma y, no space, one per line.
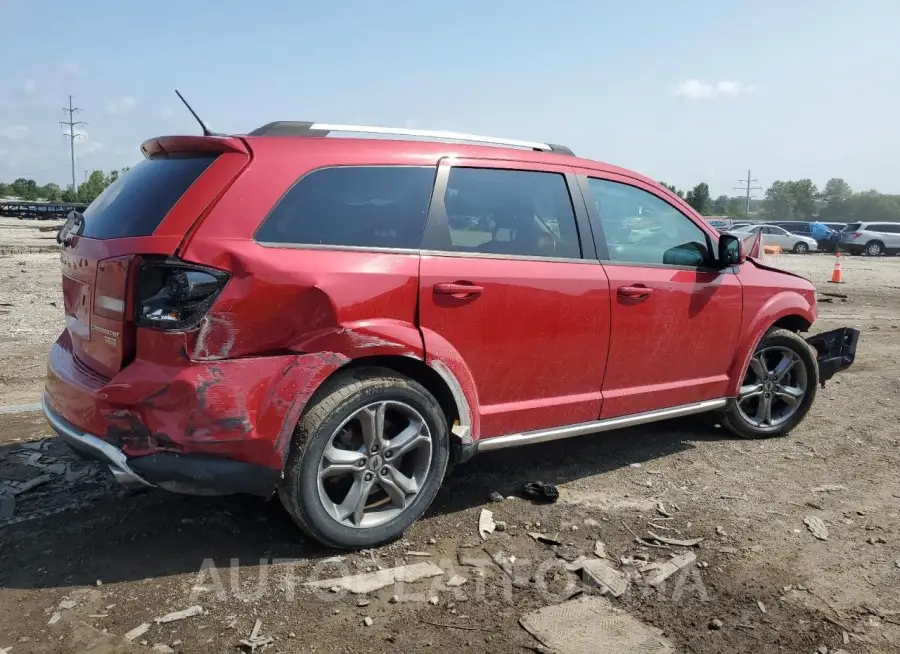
506,292
675,321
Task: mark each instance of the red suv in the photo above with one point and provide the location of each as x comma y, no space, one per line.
339,319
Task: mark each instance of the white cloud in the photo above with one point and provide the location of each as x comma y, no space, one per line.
14,132
695,89
70,67
121,106
30,86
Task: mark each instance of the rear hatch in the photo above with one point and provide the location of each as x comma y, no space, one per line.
145,213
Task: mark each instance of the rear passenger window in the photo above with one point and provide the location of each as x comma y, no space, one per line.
510,212
361,206
641,228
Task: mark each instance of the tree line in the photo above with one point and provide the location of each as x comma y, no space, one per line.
30,191
784,200
799,200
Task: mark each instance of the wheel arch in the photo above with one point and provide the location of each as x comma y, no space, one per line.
436,378
788,310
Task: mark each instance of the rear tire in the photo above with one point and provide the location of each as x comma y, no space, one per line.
346,456
801,248
874,248
765,383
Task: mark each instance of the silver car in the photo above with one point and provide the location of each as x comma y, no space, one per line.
871,238
774,235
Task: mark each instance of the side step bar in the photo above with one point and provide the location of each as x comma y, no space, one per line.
596,426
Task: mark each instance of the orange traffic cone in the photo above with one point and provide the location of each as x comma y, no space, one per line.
837,275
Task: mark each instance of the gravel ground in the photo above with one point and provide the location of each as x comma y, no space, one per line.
117,559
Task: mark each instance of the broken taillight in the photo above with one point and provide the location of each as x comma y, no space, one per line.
173,295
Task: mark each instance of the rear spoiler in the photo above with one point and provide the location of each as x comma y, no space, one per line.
166,145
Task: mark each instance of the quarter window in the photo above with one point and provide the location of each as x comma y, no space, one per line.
644,229
363,206
509,212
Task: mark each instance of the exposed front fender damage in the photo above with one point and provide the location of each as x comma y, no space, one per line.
786,303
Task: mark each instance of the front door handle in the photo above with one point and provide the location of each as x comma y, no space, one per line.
637,291
459,290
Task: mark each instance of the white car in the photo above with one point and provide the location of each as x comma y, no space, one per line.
772,235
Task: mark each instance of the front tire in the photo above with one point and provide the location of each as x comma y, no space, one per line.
874,249
778,388
801,248
366,460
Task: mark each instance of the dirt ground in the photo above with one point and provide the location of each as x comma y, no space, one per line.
83,562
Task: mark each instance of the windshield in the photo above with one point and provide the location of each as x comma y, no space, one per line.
852,227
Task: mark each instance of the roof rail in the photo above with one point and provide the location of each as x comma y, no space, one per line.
305,128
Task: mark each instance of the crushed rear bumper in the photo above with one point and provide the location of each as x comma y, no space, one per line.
835,351
192,474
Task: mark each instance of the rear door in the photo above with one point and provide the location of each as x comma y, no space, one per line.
889,233
675,319
510,286
135,215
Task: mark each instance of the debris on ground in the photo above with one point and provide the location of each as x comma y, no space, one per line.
137,632
604,575
456,580
499,525
580,625
255,641
876,540
496,497
544,538
368,621
486,523
669,568
162,648
189,612
661,510
415,553
540,491
829,488
715,624
762,607
600,550
690,542
371,581
816,527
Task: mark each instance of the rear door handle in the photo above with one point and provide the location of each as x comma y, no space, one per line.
459,290
638,291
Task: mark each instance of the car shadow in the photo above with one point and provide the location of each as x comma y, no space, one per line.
100,531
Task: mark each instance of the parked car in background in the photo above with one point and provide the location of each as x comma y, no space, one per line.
826,242
774,235
338,320
871,238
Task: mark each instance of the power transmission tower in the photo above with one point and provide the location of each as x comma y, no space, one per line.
71,135
746,187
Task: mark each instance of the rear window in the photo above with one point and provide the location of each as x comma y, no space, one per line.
355,206
136,203
852,227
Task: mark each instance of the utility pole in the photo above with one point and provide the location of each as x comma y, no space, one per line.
71,135
747,188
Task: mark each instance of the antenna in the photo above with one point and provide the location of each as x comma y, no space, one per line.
206,130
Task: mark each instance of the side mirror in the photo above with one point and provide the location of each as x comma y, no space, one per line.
731,251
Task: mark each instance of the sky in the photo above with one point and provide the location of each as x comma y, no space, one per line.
691,91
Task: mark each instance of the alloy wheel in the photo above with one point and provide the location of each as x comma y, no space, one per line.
873,250
375,464
774,387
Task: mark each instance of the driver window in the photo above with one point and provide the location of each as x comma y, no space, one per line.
644,229
510,212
